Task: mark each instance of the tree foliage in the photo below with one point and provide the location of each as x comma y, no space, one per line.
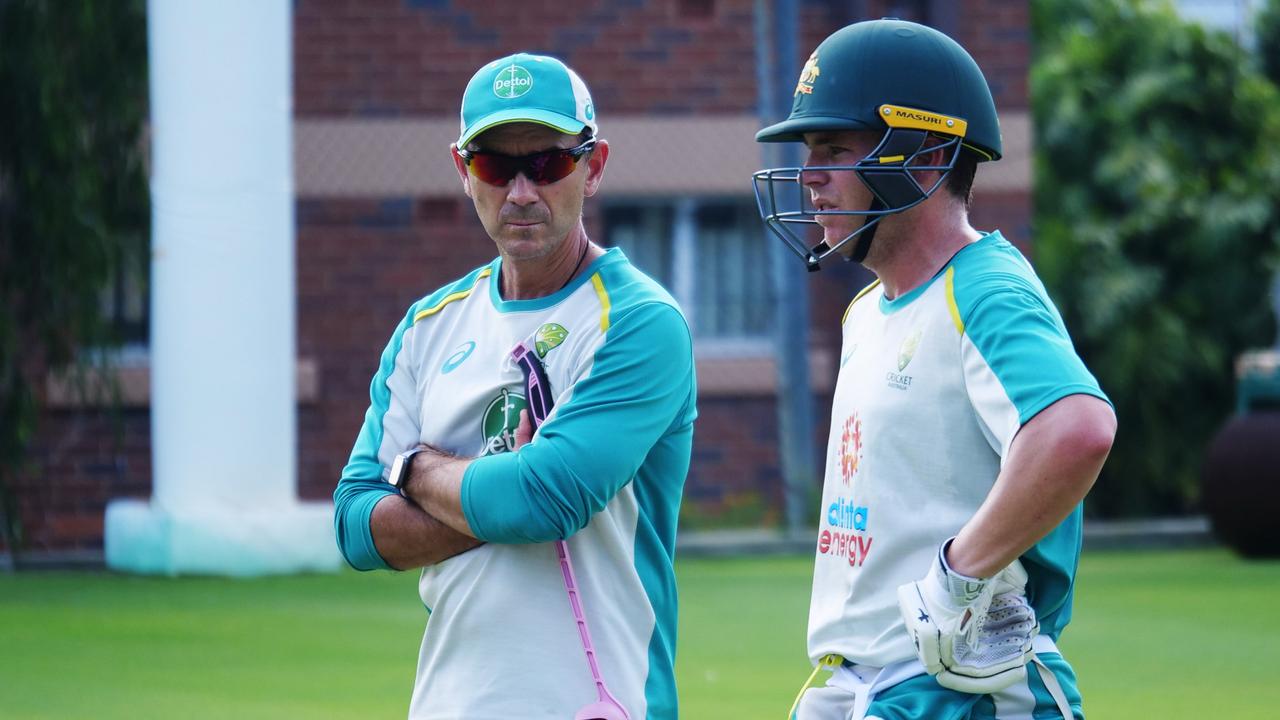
1267,30
1156,225
73,194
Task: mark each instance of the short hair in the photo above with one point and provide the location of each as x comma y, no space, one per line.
959,182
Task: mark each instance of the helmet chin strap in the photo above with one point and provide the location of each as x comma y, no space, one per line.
872,221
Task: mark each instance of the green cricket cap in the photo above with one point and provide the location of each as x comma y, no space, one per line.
526,88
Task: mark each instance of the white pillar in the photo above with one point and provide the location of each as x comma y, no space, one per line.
223,393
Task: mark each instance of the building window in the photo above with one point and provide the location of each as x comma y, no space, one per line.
711,254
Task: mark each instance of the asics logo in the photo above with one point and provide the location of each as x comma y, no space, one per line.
458,357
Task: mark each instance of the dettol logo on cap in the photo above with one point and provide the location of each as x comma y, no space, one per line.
512,82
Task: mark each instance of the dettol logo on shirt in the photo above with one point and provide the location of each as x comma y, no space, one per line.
499,423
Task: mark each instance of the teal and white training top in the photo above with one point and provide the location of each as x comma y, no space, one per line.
932,387
606,470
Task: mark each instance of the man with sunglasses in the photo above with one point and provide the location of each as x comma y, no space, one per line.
448,475
965,431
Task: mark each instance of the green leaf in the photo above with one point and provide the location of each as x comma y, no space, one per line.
548,337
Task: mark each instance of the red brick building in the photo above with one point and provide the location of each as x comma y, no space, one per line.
381,220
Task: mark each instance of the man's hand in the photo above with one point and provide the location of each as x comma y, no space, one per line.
524,431
974,635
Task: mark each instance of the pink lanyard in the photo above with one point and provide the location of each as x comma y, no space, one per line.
538,395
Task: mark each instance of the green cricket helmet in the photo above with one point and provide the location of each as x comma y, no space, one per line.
909,81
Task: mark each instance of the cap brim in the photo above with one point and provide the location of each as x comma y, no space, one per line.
554,120
793,130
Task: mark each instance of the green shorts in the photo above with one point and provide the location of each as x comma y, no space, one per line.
922,698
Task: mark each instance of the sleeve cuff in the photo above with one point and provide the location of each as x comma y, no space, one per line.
478,490
357,543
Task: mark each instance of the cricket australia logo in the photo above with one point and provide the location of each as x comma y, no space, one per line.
808,75
548,338
898,380
908,349
512,82
850,448
501,418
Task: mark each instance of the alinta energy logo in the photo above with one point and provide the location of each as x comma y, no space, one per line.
850,448
512,82
499,423
808,75
844,534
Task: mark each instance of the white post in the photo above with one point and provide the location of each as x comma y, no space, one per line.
223,392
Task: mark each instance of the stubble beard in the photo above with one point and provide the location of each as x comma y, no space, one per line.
524,243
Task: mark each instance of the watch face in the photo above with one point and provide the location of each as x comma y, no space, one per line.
397,471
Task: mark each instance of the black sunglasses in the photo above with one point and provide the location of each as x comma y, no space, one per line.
542,168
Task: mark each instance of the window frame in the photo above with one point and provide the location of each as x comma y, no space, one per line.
683,257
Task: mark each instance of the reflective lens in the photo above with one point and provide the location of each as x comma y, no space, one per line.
542,168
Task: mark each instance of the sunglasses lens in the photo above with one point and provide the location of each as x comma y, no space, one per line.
550,167
542,168
494,169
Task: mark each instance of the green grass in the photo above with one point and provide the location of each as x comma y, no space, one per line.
1176,635
1160,634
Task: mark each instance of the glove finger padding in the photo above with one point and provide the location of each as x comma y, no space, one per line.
1010,620
973,635
999,657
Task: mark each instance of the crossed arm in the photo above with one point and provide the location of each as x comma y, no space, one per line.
406,535
546,490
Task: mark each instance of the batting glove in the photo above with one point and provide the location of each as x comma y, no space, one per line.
974,635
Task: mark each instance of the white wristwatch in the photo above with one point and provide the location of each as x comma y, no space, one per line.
400,468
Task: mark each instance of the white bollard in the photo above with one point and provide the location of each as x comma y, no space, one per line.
223,393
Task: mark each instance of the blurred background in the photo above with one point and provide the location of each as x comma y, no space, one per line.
1141,176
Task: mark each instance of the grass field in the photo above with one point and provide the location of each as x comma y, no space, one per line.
1156,635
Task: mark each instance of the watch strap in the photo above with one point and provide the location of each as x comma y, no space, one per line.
400,468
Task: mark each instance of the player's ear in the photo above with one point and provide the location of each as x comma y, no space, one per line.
935,156
461,167
595,167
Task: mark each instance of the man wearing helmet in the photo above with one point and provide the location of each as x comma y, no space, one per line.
965,429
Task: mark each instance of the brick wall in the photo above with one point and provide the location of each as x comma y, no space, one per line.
997,33
79,461
361,264
397,57
1009,212
735,473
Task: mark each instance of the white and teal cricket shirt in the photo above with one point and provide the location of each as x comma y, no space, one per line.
606,471
932,387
